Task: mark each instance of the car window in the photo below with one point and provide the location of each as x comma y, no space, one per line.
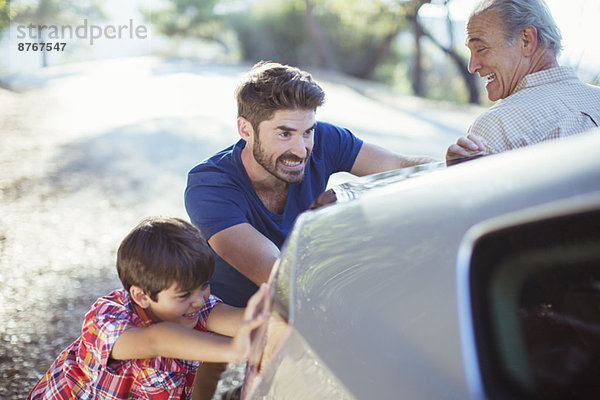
535,295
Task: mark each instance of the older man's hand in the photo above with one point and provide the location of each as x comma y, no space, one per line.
466,146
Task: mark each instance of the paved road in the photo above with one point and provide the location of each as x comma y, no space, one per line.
88,150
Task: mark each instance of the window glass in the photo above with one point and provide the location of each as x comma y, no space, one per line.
536,304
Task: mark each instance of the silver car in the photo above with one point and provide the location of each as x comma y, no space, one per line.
475,281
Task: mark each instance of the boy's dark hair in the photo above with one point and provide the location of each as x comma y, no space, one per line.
159,252
270,86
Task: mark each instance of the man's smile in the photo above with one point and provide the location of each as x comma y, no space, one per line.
489,78
292,163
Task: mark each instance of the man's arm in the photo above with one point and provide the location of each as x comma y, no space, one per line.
224,319
169,339
372,159
246,249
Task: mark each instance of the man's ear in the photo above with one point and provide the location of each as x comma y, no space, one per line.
245,129
529,40
139,297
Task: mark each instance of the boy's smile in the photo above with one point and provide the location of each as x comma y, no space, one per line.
181,307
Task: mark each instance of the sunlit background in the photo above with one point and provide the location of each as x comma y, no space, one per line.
100,133
247,30
577,19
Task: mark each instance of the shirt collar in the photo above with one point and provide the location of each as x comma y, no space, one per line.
546,76
141,312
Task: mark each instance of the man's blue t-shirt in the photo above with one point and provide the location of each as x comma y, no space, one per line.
219,195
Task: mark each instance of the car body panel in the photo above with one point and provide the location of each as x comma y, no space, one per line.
375,279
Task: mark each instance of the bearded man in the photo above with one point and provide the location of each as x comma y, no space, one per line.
246,198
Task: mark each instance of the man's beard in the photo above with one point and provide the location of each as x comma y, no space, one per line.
263,159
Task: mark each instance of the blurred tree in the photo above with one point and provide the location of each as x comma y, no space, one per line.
411,13
54,12
4,24
352,36
385,20
192,18
450,50
381,21
318,38
275,30
362,33
356,37
4,14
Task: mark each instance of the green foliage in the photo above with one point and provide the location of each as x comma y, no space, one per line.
4,14
276,33
55,11
186,18
357,37
446,85
353,38
193,19
277,30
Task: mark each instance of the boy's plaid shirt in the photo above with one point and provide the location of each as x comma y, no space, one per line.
85,371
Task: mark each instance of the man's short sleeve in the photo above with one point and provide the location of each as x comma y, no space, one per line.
338,145
213,203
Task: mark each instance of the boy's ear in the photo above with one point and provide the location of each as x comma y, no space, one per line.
139,297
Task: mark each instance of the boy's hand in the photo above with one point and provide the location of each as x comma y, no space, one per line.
254,316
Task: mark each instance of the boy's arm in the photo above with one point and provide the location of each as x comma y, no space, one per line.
168,339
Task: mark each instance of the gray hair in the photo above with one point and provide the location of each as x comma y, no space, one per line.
517,14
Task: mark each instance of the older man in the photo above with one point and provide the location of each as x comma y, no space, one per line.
514,46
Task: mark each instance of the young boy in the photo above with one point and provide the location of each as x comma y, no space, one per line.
146,341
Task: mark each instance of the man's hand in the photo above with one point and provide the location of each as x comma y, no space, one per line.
466,146
325,198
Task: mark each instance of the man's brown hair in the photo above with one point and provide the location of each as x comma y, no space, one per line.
160,252
270,86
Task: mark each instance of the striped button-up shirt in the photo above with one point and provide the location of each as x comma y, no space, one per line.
545,105
84,370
